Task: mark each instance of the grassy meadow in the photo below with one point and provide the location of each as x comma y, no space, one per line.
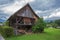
49,34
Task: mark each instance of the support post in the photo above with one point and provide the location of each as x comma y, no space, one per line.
16,27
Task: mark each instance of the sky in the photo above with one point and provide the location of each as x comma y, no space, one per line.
48,9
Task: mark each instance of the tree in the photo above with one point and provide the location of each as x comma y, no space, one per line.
39,26
6,23
57,22
54,25
6,30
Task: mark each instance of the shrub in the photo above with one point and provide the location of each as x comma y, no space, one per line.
39,26
0,29
7,31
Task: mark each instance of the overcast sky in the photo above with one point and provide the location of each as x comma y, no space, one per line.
48,9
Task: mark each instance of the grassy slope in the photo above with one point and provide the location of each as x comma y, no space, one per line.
50,34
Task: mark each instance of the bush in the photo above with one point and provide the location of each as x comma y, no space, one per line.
0,29
39,26
6,31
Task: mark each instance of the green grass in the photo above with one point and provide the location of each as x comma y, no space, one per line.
49,34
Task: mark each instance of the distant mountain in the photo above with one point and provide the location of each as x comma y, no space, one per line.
3,16
1,20
52,19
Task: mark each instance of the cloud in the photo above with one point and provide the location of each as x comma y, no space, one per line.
15,6
43,8
57,14
43,4
4,2
54,15
19,3
47,8
28,1
44,13
49,13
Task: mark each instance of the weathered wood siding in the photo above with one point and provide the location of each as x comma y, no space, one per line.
26,13
27,20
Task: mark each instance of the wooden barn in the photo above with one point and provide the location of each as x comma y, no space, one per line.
23,20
